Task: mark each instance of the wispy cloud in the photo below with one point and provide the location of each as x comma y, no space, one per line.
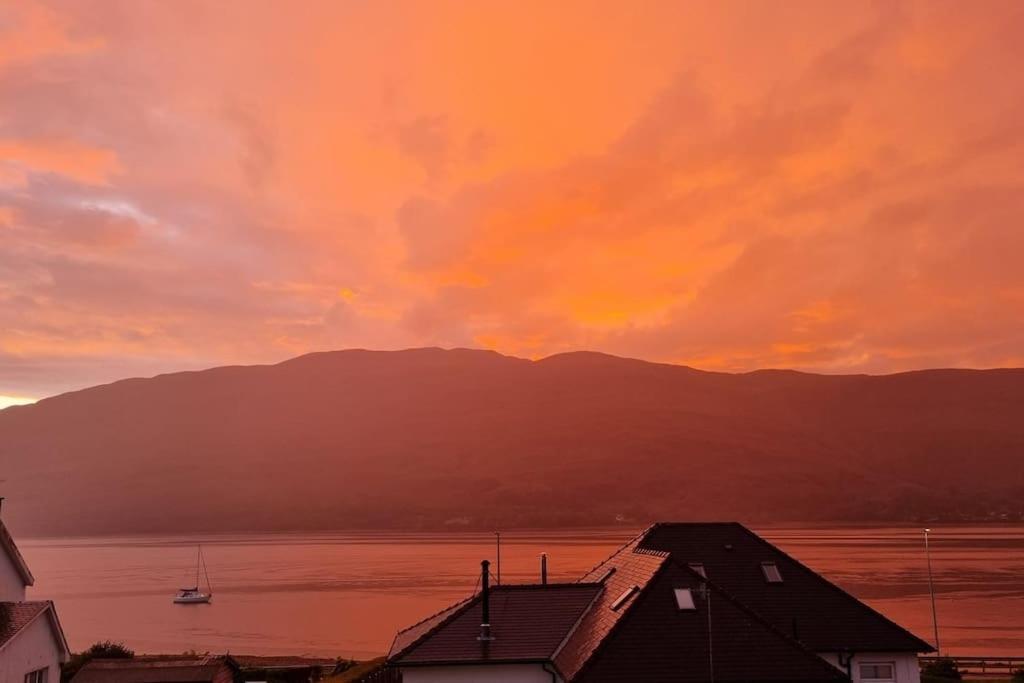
734,185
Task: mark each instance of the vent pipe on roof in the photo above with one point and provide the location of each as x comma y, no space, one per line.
544,569
485,602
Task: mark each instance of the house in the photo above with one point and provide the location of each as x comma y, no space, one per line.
680,602
275,669
160,669
32,643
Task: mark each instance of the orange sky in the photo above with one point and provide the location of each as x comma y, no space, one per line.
826,186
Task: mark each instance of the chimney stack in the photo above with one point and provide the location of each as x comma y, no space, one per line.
485,602
544,569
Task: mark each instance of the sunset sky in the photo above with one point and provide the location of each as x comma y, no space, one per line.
830,186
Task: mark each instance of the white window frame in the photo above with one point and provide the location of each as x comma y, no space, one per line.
38,676
771,572
890,664
684,600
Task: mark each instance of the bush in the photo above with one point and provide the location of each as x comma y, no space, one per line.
105,650
942,670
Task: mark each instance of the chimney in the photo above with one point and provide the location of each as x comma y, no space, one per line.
544,569
485,602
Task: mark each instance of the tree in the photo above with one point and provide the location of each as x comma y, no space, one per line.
943,669
1018,676
104,650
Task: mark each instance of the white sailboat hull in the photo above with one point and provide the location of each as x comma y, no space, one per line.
192,599
194,596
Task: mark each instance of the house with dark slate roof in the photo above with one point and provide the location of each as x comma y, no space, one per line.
32,643
680,602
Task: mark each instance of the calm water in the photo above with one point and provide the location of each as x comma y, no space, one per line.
346,594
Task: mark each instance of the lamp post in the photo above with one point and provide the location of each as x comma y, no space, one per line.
931,591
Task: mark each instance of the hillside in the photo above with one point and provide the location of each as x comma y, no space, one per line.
426,437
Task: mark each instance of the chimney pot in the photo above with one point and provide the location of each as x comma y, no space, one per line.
485,602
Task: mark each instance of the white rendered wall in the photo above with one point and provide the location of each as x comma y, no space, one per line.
34,648
905,665
490,673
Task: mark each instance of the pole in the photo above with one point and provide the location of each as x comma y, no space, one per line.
497,536
931,591
711,656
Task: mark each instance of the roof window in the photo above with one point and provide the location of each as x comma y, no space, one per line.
684,599
624,598
771,572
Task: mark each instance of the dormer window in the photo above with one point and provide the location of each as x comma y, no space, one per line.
699,568
624,598
771,572
684,600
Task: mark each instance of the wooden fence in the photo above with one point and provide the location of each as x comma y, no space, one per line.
996,667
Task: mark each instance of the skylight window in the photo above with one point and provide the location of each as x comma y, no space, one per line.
699,568
771,572
684,598
624,598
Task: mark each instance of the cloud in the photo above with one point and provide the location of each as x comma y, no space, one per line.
824,186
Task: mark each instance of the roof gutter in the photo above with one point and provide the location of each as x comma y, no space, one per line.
849,655
554,674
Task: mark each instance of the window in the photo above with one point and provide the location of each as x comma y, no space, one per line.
37,676
879,672
624,598
699,568
684,598
771,572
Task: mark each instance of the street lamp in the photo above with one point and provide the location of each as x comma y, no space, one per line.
931,590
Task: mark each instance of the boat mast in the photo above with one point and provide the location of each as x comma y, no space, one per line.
209,586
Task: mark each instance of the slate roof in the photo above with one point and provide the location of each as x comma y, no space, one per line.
804,605
619,572
410,635
7,543
621,622
655,641
158,669
528,623
15,616
274,662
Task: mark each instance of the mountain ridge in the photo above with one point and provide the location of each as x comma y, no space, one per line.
425,438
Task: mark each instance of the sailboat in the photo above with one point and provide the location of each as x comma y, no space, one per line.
194,596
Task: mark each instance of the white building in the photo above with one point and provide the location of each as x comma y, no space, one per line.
32,643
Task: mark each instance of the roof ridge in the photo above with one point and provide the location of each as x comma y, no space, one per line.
626,613
576,625
44,605
435,614
864,606
454,610
635,539
526,586
7,541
